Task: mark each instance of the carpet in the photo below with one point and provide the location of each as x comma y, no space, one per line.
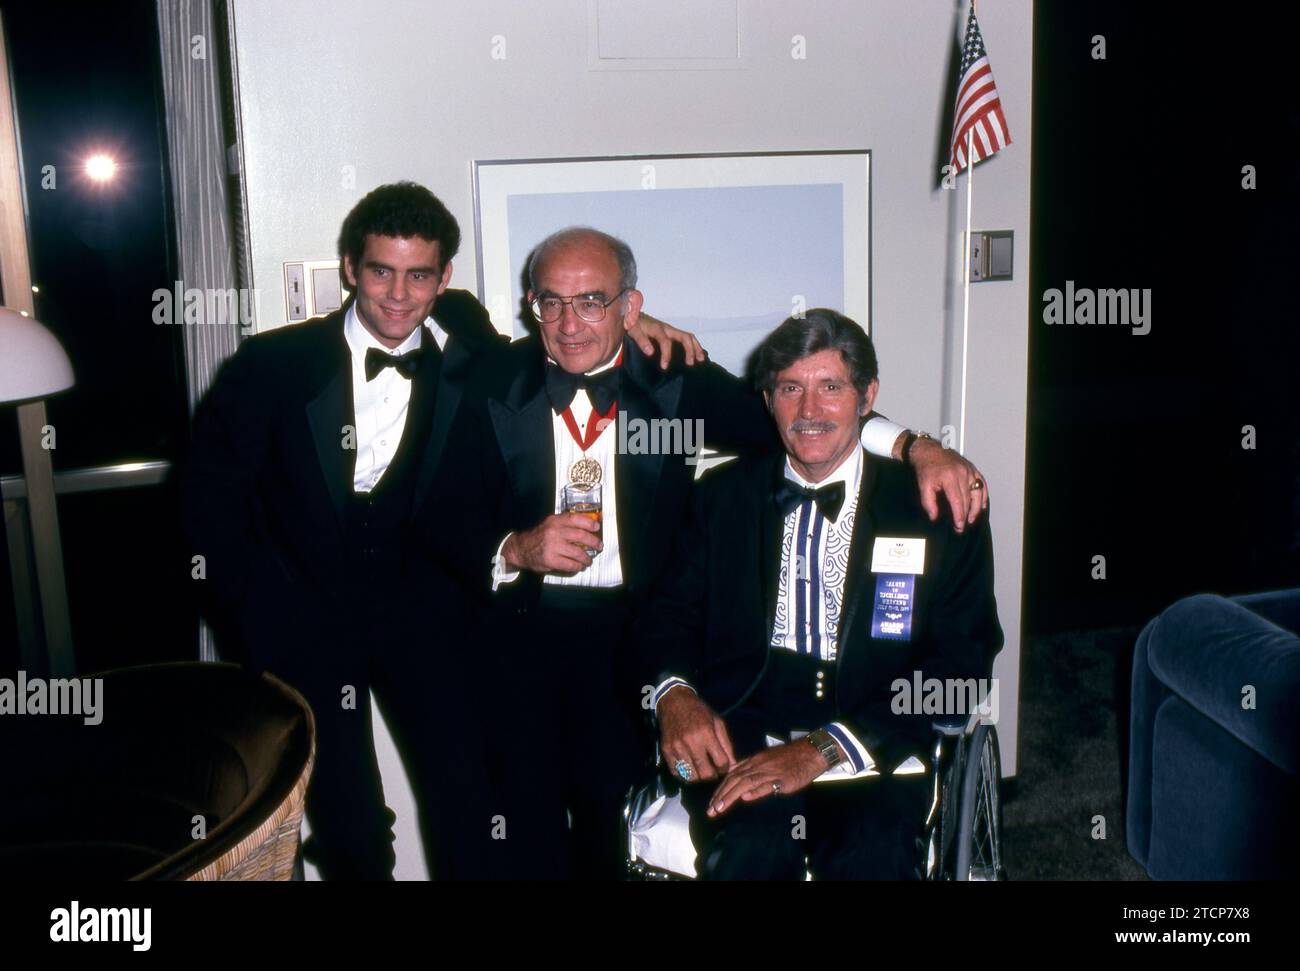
1063,814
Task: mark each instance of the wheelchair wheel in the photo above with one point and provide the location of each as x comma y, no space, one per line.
979,828
938,843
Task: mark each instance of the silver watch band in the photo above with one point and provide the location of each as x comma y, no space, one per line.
824,742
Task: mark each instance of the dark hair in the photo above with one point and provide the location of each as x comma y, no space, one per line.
800,337
399,209
621,251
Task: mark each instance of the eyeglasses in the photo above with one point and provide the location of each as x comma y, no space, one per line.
587,306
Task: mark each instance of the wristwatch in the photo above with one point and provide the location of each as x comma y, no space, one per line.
824,742
910,441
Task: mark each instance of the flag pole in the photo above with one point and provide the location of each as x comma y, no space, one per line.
965,274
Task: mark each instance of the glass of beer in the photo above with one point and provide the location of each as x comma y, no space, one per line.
586,500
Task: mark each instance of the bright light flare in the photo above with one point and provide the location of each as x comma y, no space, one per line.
101,168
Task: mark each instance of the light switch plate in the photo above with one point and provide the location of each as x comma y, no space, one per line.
295,291
326,289
312,288
991,254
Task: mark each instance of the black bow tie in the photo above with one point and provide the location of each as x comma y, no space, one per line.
789,495
602,388
405,364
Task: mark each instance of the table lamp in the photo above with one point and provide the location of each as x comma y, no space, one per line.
33,366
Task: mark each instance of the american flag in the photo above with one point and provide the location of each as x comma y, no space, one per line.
979,109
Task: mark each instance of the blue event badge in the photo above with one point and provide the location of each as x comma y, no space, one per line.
892,616
896,561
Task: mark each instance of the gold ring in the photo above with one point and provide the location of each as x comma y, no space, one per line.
977,485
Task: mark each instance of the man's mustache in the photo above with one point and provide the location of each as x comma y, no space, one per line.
804,425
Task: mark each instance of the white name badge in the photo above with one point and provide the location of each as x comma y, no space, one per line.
898,554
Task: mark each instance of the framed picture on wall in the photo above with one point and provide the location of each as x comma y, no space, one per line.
727,246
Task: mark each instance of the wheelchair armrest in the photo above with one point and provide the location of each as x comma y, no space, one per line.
952,725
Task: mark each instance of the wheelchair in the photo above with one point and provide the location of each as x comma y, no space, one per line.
961,839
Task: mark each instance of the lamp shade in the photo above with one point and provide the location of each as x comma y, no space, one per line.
33,363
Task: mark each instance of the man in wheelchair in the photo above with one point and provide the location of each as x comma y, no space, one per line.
803,586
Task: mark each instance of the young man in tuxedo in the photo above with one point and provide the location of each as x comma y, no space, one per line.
311,451
803,584
312,446
553,409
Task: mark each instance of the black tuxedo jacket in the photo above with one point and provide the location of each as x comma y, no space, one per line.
507,423
267,480
709,619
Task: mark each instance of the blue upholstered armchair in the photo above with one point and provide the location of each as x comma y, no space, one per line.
1212,782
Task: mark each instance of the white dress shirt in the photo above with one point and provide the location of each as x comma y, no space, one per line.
822,542
606,568
879,435
379,406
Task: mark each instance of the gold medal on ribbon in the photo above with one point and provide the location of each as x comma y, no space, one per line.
585,472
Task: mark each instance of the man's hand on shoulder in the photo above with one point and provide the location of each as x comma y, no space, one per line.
650,331
557,544
692,732
943,471
459,311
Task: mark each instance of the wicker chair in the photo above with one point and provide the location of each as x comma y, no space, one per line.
196,772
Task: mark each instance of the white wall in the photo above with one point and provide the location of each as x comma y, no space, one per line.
398,89
398,797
